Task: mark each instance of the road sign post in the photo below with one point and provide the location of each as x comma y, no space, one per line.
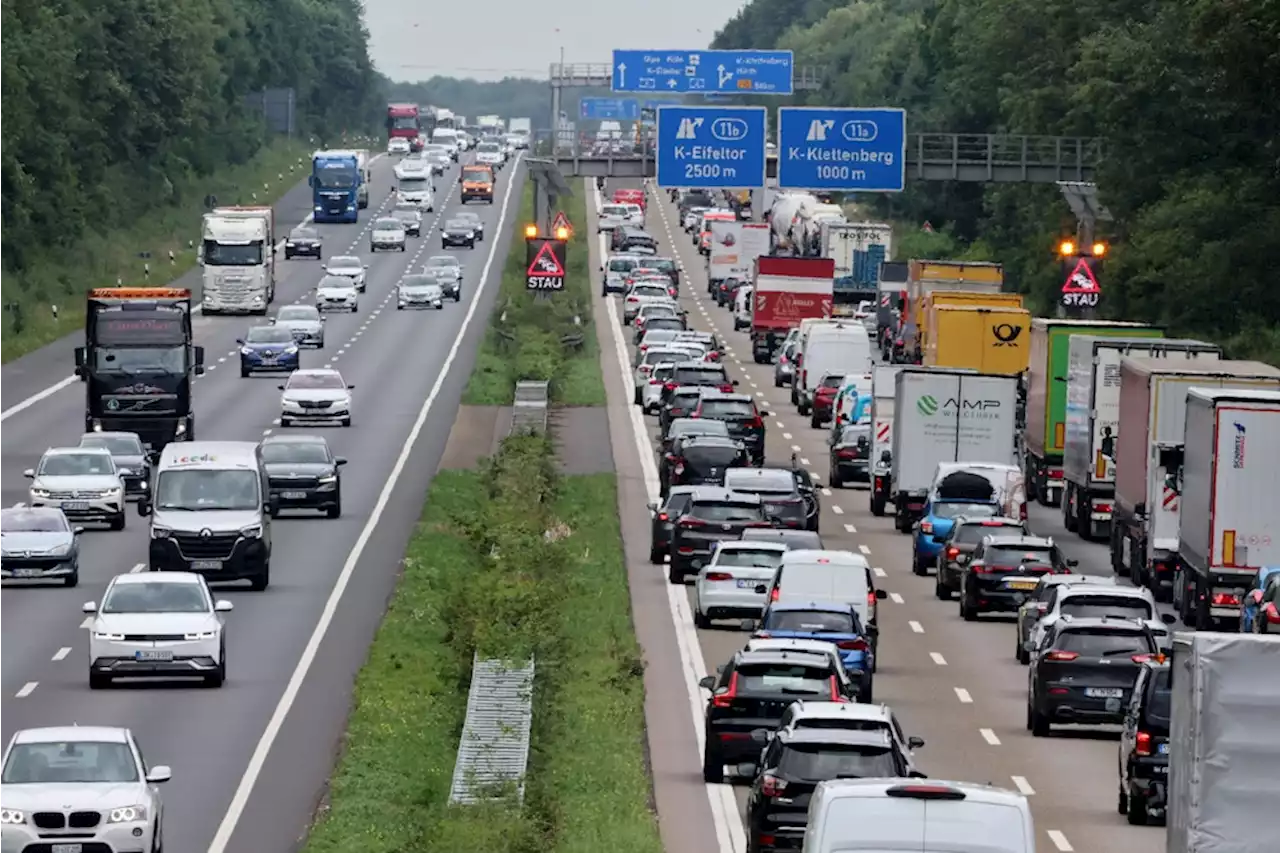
759,72
712,147
832,149
545,264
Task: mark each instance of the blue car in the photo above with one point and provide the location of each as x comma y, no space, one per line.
830,622
268,349
1268,576
939,515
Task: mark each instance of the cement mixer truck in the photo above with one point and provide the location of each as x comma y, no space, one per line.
784,214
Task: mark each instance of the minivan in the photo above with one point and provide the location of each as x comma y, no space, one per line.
825,576
211,512
839,348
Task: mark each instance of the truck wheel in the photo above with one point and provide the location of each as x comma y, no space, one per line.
1069,520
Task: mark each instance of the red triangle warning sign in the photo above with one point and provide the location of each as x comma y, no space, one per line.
1081,280
545,264
561,221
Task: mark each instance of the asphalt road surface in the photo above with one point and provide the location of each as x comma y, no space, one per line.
955,684
251,758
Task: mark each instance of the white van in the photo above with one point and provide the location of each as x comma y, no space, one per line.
1009,489
211,512
415,184
875,815
841,347
811,575
448,137
742,303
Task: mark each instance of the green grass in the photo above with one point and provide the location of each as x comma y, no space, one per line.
480,575
100,259
524,336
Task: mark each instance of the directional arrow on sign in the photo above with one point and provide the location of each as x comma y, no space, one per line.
622,74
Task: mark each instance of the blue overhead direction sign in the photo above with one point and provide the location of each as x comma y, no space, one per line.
599,109
836,149
745,72
712,147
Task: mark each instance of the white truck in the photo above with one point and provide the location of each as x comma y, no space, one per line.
734,249
238,257
366,175
1222,754
1229,501
944,415
1152,416
1092,421
883,392
522,127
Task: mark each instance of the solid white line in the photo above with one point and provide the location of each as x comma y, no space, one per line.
938,658
1059,840
260,753
62,653
1023,786
915,626
26,689
989,736
963,696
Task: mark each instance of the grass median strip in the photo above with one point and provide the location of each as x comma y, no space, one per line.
510,561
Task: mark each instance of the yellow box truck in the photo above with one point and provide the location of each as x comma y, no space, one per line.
988,339
974,298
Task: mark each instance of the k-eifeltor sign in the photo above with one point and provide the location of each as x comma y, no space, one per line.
545,264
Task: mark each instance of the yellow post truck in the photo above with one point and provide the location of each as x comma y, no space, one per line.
988,339
974,298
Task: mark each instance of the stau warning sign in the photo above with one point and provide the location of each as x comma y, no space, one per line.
546,264
1081,289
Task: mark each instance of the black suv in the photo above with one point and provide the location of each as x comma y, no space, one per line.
780,491
678,401
850,455
964,538
662,521
705,374
702,460
714,515
739,413
681,428
751,692
793,764
1004,570
1084,671
302,473
1144,746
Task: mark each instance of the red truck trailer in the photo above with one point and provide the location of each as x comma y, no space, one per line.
785,291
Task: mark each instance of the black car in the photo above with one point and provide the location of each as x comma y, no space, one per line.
751,692
705,374
795,540
681,427
662,520
1084,671
778,489
1004,570
793,764
850,455
627,239
133,462
304,242
1144,746
962,540
702,460
725,291
302,473
678,401
739,413
411,220
714,515
667,266
458,232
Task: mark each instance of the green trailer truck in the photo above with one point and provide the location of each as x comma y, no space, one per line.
1046,419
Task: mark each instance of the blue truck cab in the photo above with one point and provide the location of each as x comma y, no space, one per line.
335,186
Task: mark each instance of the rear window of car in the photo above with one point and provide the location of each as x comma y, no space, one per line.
1101,642
819,762
700,375
658,309
972,534
685,400
663,371
810,621
1014,557
692,427
770,482
726,511
655,291
622,264
764,558
728,409
793,539
955,509
662,321
833,380
710,455
653,356
1123,606
662,264
786,678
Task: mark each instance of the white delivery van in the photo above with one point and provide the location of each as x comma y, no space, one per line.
742,308
878,815
839,347
810,575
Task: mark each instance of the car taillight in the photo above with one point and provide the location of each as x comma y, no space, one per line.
756,423
646,368
1102,507
784,360
719,576
727,388
655,381
1042,606
773,596
1142,743
725,699
1140,658
871,599
1062,656
926,527
952,553
669,386
772,786
713,356
1225,599
662,516
1055,473
980,567
847,453
679,469
1022,512
835,690
690,523
858,645
804,375
1273,615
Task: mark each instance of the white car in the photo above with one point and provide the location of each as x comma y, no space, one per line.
83,482
350,266
732,585
337,292
315,394
398,145
635,215
651,391
1085,600
157,625
303,322
419,291
613,216
639,294
388,233
490,154
80,773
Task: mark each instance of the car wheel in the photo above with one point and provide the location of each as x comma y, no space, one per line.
98,681
321,344
836,482
72,579
1023,656
1040,726
712,765
372,248
285,422
346,422
966,610
119,522
940,590
701,620
674,573
657,556
334,511
263,579
918,567
219,675
1122,799
402,247
399,307
245,372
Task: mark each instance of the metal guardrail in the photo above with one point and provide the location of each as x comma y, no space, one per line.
493,754
529,411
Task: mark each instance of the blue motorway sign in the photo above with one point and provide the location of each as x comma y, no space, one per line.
623,109
712,147
762,72
842,150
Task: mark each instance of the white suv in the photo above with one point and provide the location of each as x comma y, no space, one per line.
83,482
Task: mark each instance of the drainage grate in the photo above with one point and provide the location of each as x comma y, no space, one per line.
494,751
529,413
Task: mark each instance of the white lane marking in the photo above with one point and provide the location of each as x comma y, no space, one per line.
837,510
866,552
989,736
730,834
804,461
760,394
915,626
896,598
26,689
879,572
795,448
261,752
137,567
787,436
938,658
963,696
1023,786
62,653
88,621
1059,840
781,425
826,493
849,528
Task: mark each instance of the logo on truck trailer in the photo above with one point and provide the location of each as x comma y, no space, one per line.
928,405
1006,334
1237,454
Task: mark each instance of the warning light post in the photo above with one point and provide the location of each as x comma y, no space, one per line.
1080,266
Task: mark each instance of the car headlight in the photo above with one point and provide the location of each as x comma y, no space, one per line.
105,635
127,814
328,479
12,816
160,532
60,551
201,635
251,532
37,492
344,402
246,351
125,472
291,350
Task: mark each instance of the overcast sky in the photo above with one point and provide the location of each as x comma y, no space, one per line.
492,39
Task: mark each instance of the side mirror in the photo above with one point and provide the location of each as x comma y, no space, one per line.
1168,618
881,595
351,385
366,266
339,461
89,607
271,321
916,774
222,606
886,457
747,625
652,506
198,370
198,353
30,473
159,773
144,508
281,387
747,769
240,341
707,682
77,530
735,383
1073,563
914,742
766,414
79,358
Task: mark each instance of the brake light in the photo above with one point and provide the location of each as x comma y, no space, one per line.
847,453
1273,615
952,553
1225,599
713,356
1042,606
1102,507
926,527
994,523
633,298
719,576
1062,656
756,423
644,348
858,645
1055,473
669,386
646,368
773,596
1142,743
679,469
835,690
1140,658
727,388
690,523
662,516
772,786
655,381
725,699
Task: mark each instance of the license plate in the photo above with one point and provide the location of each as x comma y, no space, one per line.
268,359
75,505
1103,692
152,655
27,573
1021,584
66,848
747,584
206,565
1163,749
293,496
1160,770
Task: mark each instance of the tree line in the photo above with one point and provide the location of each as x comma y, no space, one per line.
109,107
1183,92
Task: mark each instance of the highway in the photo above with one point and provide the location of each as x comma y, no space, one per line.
251,758
955,684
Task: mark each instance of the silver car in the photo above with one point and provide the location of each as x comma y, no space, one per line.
94,778
304,323
83,482
641,293
651,391
337,292
784,361
388,233
349,266
316,394
447,271
616,271
419,291
39,544
732,585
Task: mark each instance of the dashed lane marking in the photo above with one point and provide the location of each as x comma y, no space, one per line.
938,658
879,572
1023,786
915,626
896,598
836,509
1059,840
963,696
27,689
866,552
62,653
787,436
989,736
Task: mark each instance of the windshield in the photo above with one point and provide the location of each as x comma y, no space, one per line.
818,762
662,264
763,558
69,763
727,409
227,255
305,234
688,427
1010,556
336,179
346,263
458,225
298,312
387,224
403,123
198,490
654,356
315,380
488,148
477,175
337,281
811,622
33,521
165,597
708,511
658,309
783,678
301,452
406,215
614,210
1123,606
851,434
665,323
116,445
171,360
955,509
411,282
1102,643
269,335
685,400
76,465
650,291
